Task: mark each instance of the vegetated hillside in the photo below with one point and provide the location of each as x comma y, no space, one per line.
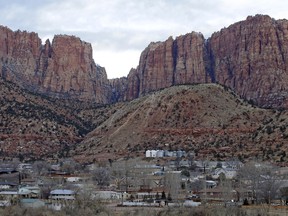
34,126
207,119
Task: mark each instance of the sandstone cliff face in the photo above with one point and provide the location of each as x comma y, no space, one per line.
19,55
133,84
173,62
119,89
64,68
251,58
71,71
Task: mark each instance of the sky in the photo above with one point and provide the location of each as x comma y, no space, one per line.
119,30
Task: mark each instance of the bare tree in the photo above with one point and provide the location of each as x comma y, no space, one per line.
191,161
196,185
69,165
102,176
261,179
127,172
173,183
40,167
119,173
227,190
269,186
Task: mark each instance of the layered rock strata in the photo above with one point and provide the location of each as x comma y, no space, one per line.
250,57
64,68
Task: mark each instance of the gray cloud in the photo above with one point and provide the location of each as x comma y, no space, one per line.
120,29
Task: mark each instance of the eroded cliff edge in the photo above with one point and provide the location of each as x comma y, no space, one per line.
249,57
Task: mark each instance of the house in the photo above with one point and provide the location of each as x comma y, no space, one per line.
7,185
140,196
218,194
234,164
211,184
29,181
106,195
227,172
73,179
29,192
25,167
151,153
7,170
164,153
62,194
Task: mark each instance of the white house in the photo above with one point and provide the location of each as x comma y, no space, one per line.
106,195
25,167
73,179
229,173
164,153
62,194
160,153
148,153
7,185
151,153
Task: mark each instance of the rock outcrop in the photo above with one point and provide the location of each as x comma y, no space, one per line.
71,70
250,57
133,85
173,62
62,69
119,89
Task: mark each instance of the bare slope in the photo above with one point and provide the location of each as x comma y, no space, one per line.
208,119
34,126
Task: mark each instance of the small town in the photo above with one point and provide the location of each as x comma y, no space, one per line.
159,180
143,108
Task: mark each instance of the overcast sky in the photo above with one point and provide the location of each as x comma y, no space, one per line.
119,30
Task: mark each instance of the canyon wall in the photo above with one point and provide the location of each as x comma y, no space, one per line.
250,57
62,69
173,62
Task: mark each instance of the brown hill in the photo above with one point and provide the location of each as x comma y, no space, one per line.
208,119
33,126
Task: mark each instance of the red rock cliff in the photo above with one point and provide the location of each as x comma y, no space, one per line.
64,68
173,62
249,56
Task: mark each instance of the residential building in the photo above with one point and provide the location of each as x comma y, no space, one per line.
62,194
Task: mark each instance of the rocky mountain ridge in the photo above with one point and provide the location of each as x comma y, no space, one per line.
57,102
61,69
250,57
